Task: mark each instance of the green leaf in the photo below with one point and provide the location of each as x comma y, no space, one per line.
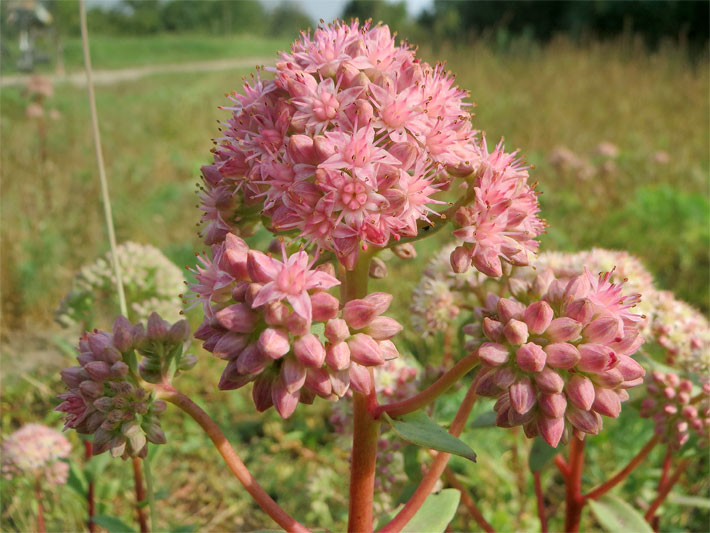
77,479
112,524
436,513
187,528
485,420
541,453
614,515
421,430
689,501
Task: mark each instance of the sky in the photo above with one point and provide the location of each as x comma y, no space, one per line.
330,9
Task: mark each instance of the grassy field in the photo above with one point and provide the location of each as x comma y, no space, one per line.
156,134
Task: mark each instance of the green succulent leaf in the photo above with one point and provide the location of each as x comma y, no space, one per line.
614,515
541,454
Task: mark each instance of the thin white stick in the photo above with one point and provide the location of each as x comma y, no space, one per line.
100,160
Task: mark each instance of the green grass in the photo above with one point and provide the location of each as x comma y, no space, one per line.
156,134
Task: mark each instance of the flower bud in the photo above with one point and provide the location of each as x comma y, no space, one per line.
516,332
585,421
551,429
103,404
607,403
509,309
518,287
549,381
230,345
603,329
157,327
73,376
251,360
337,355
285,402
98,370
580,392
318,380
325,306
261,393
261,268
383,328
118,370
460,259
404,251
110,355
275,313
553,405
293,374
629,368
364,350
530,357
595,358
238,318
538,316
493,353
274,343
563,329
297,325
359,313
562,355
360,379
98,342
492,329
336,330
340,381
179,332
522,395
309,351
122,336
580,310
154,433
378,268
388,350
504,377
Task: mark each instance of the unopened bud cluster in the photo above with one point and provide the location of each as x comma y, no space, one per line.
36,451
671,405
276,325
104,396
560,356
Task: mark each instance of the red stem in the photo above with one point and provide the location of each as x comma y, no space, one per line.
663,492
575,500
90,492
281,517
540,502
667,461
140,494
40,510
435,470
561,465
468,501
624,473
432,392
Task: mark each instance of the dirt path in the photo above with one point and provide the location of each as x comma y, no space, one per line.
108,77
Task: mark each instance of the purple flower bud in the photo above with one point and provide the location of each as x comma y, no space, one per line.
360,379
157,327
293,374
607,403
154,433
492,329
338,355
553,405
230,345
585,421
340,381
551,429
274,343
562,355
538,316
364,350
237,318
549,381
285,402
604,329
297,325
516,332
504,377
460,259
309,351
179,332
580,391
530,357
251,360
318,380
261,393
595,358
73,376
563,329
98,342
98,370
486,385
325,306
522,395
629,368
275,313
509,309
609,379
91,389
103,404
118,370
122,334
493,353
383,328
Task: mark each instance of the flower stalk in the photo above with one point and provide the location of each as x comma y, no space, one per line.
90,490
140,495
537,481
663,492
575,500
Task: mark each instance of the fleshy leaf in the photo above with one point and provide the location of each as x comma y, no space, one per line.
421,430
614,514
112,524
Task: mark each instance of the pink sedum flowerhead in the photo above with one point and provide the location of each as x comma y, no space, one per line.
559,356
36,451
501,224
277,326
347,144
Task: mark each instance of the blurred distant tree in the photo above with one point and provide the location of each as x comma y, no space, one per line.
244,16
144,16
288,19
394,14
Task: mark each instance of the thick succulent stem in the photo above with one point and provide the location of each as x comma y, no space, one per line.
365,427
432,392
435,470
540,502
269,506
575,500
623,473
140,494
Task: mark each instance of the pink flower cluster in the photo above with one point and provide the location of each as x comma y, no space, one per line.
558,363
276,325
104,397
502,222
671,406
347,144
36,450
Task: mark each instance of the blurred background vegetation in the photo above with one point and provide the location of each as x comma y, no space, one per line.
558,79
